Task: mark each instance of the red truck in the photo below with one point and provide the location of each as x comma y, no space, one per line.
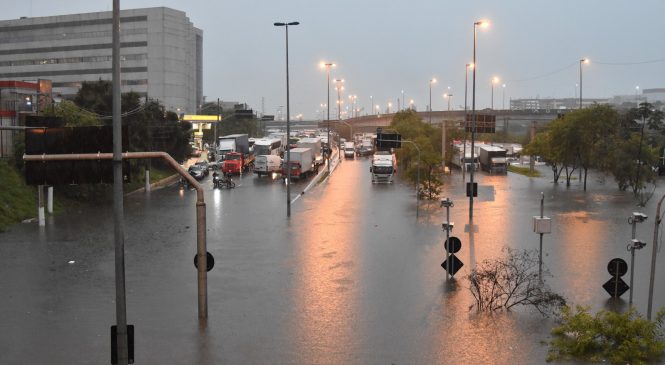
236,162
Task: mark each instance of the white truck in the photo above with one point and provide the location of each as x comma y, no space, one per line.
493,159
384,167
300,163
315,145
267,164
349,150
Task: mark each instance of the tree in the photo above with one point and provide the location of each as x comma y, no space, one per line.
619,338
541,146
510,281
72,114
409,125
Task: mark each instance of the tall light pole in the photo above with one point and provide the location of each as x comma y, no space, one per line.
411,104
339,89
389,105
371,98
483,24
432,81
503,97
583,60
448,96
494,81
328,66
403,101
466,82
637,101
288,116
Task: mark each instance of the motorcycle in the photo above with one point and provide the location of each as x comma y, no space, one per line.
222,182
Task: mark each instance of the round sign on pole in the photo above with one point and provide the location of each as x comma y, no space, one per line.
210,261
454,246
617,264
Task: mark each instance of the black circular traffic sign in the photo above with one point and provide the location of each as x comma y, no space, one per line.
210,261
455,244
619,264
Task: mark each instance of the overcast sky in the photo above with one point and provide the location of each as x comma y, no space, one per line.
383,47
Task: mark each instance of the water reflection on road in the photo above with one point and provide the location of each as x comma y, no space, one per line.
353,277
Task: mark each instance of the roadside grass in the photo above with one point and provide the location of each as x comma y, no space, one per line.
17,200
523,171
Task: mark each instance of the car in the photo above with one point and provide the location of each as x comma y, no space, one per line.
204,166
196,172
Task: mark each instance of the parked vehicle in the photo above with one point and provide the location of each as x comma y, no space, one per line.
349,150
313,144
300,163
267,164
383,168
223,181
493,159
268,146
232,143
466,161
196,172
236,163
282,137
204,166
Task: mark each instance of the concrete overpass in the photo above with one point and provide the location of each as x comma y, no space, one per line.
514,121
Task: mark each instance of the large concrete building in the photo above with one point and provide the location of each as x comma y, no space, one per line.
161,53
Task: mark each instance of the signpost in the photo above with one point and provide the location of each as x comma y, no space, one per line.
452,244
615,287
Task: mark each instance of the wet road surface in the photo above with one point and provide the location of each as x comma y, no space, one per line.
353,277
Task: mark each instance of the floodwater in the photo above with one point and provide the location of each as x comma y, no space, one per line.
353,277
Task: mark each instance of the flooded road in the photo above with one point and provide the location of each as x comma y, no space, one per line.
353,277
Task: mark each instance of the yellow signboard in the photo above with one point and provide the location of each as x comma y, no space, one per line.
201,118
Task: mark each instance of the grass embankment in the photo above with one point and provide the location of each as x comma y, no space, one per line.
156,174
17,200
523,171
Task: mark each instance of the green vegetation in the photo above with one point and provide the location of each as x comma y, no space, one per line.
17,200
428,140
602,138
619,338
526,171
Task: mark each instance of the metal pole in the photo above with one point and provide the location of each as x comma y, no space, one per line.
288,131
118,208
582,60
540,252
430,102
328,118
632,266
448,256
653,257
40,209
219,120
473,125
466,82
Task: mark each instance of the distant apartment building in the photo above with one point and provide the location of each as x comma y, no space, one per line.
161,53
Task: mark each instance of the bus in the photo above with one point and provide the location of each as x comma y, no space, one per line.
268,146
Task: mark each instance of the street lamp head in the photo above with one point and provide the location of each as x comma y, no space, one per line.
470,65
503,86
285,24
482,23
432,81
584,60
495,80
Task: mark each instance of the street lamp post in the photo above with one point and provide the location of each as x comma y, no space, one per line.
328,66
473,108
448,96
503,97
494,81
403,101
288,128
583,60
432,81
339,89
466,81
372,100
389,105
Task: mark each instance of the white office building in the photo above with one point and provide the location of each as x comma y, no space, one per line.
161,53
